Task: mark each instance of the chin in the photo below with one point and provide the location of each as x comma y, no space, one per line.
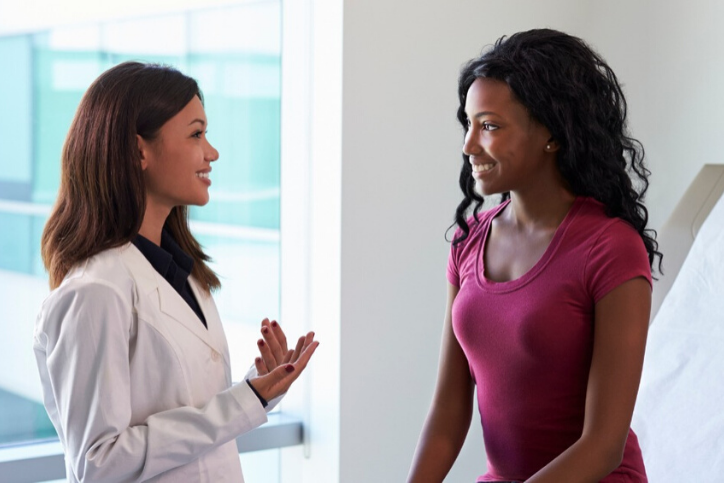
483,190
202,199
197,201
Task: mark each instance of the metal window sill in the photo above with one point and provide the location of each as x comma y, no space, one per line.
36,462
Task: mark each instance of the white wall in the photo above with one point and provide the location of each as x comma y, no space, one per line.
668,55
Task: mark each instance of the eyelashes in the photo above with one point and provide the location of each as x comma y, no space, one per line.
486,126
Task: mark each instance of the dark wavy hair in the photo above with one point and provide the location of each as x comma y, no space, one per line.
570,89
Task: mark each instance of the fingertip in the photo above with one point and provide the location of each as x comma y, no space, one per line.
274,324
289,368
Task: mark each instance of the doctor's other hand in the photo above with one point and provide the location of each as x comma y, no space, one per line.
273,348
277,381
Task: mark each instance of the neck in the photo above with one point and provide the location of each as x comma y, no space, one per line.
539,212
153,221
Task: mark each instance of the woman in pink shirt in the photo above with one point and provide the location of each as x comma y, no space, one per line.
549,291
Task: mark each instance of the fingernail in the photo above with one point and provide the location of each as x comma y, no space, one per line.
274,323
258,360
265,330
289,368
261,343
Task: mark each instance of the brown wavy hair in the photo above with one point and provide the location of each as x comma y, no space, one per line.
102,196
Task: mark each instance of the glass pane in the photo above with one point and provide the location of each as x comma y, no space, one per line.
262,465
234,53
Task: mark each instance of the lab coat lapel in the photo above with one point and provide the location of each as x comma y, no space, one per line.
211,314
173,305
152,285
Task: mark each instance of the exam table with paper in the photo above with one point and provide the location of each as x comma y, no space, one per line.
679,415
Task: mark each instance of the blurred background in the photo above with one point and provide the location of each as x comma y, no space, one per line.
233,51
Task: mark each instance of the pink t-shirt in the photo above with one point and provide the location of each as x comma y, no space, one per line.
529,341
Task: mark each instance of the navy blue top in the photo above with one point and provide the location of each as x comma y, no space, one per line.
173,264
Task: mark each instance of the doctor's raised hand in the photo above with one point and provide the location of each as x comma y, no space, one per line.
131,351
278,366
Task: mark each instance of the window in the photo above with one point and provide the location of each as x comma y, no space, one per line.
235,54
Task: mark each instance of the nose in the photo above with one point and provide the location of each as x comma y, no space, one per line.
470,146
211,154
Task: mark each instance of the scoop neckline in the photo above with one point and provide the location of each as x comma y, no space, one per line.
535,270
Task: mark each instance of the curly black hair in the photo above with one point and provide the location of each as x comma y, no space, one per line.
570,89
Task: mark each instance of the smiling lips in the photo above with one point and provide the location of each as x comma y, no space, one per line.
480,168
204,176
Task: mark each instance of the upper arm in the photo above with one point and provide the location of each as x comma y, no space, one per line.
86,367
620,330
454,383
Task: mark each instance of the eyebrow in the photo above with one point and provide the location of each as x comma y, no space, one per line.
485,113
203,123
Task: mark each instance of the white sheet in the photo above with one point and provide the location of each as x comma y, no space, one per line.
679,416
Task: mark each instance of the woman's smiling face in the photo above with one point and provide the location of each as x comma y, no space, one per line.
508,149
177,163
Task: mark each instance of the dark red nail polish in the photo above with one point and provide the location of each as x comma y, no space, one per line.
274,324
261,343
258,360
289,368
265,330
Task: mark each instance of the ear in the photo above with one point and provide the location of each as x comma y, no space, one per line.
551,146
143,151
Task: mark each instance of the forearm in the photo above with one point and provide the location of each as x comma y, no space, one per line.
108,451
448,421
586,461
438,448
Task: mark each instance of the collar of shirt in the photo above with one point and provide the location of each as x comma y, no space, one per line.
169,260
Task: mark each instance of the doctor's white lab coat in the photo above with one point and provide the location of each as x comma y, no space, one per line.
136,387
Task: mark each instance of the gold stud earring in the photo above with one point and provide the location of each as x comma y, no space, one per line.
548,147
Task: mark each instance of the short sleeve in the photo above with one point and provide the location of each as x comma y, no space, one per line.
453,272
617,256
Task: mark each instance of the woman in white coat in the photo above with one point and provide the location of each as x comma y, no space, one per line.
131,352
